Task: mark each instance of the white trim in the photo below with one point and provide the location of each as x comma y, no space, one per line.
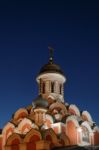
86,124
52,77
75,108
23,122
73,119
87,114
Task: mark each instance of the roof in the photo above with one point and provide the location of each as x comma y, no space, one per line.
51,68
40,102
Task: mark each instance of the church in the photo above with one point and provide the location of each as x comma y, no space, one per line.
49,121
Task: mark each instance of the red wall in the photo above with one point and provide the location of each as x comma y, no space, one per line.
96,138
15,144
72,133
32,143
0,143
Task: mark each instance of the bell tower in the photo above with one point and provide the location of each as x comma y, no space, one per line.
51,79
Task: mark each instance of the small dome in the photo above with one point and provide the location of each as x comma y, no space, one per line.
40,102
51,68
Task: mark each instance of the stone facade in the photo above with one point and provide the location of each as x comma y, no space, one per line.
49,122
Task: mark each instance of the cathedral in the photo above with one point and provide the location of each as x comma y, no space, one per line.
49,121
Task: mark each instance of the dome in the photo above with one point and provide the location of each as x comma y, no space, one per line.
40,102
51,68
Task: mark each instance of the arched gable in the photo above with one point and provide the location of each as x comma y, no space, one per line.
58,105
50,135
86,124
25,125
14,137
7,131
71,129
73,109
51,97
8,126
30,134
86,116
20,113
73,119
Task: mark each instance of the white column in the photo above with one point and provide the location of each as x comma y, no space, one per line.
56,87
47,86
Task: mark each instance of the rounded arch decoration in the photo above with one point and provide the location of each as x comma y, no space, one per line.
7,131
71,127
31,138
86,116
86,132
85,135
50,135
20,114
13,141
73,109
59,106
25,125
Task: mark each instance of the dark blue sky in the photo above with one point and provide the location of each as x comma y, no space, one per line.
26,30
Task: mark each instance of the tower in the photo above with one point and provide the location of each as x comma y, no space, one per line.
51,80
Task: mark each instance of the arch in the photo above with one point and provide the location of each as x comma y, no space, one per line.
58,105
74,110
73,119
52,87
31,138
71,127
7,126
20,113
25,125
50,135
30,134
43,87
7,131
12,138
86,116
86,124
50,96
13,141
60,89
85,135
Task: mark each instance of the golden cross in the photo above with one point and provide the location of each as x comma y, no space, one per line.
51,54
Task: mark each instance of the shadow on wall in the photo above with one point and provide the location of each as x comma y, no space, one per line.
77,148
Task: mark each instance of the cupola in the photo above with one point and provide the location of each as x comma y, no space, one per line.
51,78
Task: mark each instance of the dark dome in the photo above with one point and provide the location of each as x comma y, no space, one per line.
40,102
51,68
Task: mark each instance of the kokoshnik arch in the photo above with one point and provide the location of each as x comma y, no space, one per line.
49,122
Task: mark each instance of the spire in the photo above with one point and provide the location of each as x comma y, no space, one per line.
51,54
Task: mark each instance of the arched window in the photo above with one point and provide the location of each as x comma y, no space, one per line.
52,87
85,134
60,89
43,87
